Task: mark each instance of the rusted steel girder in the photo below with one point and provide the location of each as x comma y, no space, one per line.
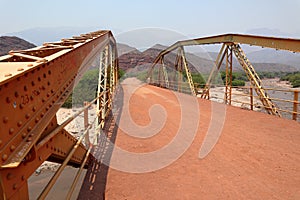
34,83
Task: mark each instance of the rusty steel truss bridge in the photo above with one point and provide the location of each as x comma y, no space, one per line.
34,84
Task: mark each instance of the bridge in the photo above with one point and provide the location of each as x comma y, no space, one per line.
188,147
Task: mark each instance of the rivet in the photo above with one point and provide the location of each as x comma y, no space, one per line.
4,157
12,147
7,75
43,88
9,176
29,65
43,100
25,88
20,123
48,94
39,78
52,91
29,128
34,109
5,120
37,119
28,139
48,83
27,116
24,135
11,130
0,142
32,83
40,158
23,178
21,106
20,69
15,186
31,97
8,100
16,94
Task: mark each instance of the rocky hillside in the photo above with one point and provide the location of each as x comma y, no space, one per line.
130,58
8,43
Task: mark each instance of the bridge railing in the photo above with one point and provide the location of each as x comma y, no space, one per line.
84,137
287,100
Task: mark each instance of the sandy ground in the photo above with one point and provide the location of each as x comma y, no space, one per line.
255,157
241,166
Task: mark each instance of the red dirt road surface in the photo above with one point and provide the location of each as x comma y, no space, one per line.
257,156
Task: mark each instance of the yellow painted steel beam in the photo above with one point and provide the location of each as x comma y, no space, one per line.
34,83
288,44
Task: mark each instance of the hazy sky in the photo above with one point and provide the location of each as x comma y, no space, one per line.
189,17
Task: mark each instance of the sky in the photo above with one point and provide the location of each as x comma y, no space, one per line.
189,17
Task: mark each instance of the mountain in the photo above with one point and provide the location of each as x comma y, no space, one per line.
273,56
203,62
40,35
8,43
124,49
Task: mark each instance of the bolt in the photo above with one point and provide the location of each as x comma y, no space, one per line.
12,147
5,120
9,176
20,123
24,135
4,157
27,116
7,75
11,130
29,128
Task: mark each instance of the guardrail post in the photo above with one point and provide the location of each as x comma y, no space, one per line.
86,123
295,109
251,97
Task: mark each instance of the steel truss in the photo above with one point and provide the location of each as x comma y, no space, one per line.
34,83
230,46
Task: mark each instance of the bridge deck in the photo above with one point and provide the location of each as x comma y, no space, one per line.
256,157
